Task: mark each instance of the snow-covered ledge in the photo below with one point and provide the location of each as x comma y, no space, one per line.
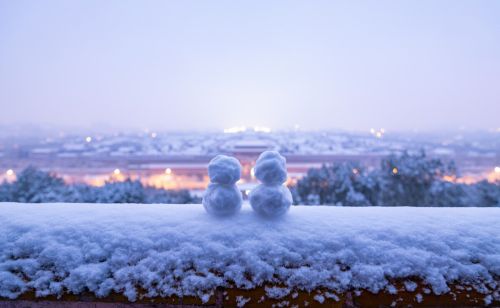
176,251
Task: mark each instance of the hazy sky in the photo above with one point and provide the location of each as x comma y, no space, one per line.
426,64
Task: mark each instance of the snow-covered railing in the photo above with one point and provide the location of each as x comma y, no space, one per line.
312,254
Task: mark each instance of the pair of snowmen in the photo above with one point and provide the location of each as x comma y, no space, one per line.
269,199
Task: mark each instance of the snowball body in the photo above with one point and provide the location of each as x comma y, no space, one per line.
223,169
222,199
270,168
270,200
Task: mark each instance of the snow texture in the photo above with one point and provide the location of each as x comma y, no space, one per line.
410,286
271,200
332,296
270,168
222,197
164,250
419,298
319,298
277,292
222,200
241,301
224,169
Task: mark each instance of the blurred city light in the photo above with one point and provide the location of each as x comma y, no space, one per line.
377,133
168,171
261,129
235,129
241,129
497,169
88,139
9,172
153,135
395,170
117,171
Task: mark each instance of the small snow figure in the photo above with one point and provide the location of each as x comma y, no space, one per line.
270,168
271,198
222,197
223,169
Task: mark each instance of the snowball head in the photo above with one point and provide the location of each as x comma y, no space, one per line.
271,200
223,169
270,168
222,200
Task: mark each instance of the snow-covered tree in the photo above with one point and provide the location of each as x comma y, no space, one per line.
170,196
406,179
341,184
5,192
35,186
402,180
127,191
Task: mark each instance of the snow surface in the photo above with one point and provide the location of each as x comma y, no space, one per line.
179,249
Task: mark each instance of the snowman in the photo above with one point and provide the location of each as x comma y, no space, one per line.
271,198
222,197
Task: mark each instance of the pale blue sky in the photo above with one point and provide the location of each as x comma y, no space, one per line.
425,64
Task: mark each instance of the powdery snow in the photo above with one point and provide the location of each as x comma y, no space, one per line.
241,301
319,298
179,249
277,292
419,298
410,286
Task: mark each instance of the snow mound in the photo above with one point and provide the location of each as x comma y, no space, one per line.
223,169
165,250
222,200
270,168
271,200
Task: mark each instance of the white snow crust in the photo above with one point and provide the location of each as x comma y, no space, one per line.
179,249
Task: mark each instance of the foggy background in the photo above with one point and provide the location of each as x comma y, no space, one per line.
401,65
